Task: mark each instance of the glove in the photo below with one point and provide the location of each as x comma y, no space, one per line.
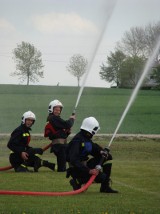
105,154
98,167
67,131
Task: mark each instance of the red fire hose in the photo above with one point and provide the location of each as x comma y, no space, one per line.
5,168
10,192
82,189
10,167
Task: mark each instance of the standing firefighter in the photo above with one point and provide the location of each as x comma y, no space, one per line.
22,155
58,130
81,167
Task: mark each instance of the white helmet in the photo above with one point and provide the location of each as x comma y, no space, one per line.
91,125
28,114
53,104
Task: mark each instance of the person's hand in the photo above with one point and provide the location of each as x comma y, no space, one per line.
24,155
98,167
73,117
94,172
105,154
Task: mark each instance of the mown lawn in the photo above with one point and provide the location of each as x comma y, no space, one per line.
135,174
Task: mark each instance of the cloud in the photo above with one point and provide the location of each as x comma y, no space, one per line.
60,23
6,26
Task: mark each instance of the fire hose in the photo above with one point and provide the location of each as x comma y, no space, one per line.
32,193
11,192
82,189
10,167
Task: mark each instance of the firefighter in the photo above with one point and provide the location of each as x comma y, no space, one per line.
57,130
80,148
22,155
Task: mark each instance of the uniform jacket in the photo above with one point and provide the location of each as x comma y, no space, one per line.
80,147
19,140
61,127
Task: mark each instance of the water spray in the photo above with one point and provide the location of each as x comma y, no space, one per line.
135,91
113,3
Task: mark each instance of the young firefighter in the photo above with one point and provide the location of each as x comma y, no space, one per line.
81,167
58,130
22,155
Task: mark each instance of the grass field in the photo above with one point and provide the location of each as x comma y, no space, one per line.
135,174
107,105
136,162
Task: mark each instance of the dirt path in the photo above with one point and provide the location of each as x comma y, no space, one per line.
101,136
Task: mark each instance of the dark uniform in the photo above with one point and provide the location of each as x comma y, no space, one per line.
78,152
58,130
18,143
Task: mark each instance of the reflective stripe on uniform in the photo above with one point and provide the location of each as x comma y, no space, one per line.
38,155
23,165
25,134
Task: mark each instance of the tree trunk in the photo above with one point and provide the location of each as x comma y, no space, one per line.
27,80
78,81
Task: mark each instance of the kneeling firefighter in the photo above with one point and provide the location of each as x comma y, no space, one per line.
81,167
22,155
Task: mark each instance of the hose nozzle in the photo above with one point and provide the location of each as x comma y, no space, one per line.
74,112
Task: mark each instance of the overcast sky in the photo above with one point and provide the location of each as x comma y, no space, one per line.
62,28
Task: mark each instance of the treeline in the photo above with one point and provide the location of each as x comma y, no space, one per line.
124,66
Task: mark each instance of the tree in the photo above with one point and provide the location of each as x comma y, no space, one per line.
77,66
131,70
152,34
133,42
28,63
123,70
111,73
140,41
136,45
155,73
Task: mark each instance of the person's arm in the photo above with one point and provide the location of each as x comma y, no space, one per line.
59,123
15,143
75,157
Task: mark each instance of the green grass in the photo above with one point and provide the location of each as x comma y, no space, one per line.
135,174
135,166
107,105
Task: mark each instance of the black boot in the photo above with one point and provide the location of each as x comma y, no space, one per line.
105,185
110,190
68,172
105,188
22,168
37,164
74,183
49,165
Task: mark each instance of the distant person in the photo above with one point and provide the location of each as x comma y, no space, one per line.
57,130
80,148
22,155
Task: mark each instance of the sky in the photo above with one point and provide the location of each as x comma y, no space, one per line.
61,28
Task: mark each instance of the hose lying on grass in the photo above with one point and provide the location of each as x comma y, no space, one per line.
82,189
10,192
